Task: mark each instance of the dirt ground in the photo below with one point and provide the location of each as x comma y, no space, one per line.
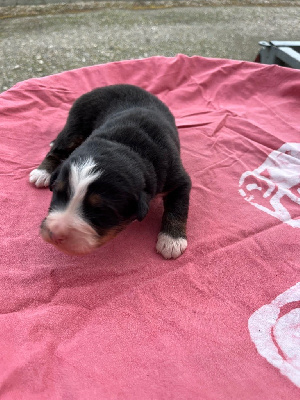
69,37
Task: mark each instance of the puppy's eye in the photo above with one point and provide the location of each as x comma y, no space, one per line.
95,200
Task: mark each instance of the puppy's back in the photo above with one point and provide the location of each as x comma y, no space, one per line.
96,106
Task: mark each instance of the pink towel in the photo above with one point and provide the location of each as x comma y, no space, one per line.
222,321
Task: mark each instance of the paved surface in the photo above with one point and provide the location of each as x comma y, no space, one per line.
35,46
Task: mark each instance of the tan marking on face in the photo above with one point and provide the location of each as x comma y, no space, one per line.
110,234
60,186
95,200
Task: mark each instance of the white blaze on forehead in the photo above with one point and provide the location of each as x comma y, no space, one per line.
82,173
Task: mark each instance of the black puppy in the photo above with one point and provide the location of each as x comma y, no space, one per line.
118,150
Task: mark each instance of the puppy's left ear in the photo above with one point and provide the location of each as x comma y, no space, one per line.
143,206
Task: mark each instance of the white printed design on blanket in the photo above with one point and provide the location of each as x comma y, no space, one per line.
275,330
274,187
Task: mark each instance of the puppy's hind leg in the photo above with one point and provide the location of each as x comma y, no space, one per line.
172,240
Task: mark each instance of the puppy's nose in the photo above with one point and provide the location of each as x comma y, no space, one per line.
57,238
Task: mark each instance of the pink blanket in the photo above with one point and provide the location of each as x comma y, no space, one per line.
222,321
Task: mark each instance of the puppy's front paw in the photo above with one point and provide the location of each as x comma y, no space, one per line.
40,177
169,247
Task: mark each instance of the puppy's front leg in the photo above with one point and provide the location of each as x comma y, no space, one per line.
41,175
172,240
65,143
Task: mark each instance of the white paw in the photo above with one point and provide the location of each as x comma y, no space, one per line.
169,247
39,177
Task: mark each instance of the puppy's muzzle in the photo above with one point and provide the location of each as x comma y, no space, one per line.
73,237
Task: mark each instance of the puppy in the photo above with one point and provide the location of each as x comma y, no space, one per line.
118,150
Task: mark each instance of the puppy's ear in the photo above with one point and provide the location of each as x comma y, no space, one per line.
143,206
53,178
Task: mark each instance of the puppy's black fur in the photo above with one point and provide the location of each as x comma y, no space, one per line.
133,139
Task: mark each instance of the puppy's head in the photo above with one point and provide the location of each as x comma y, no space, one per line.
89,206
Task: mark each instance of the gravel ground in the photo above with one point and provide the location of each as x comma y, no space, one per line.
34,46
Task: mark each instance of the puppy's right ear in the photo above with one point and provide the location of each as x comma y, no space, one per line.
53,178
